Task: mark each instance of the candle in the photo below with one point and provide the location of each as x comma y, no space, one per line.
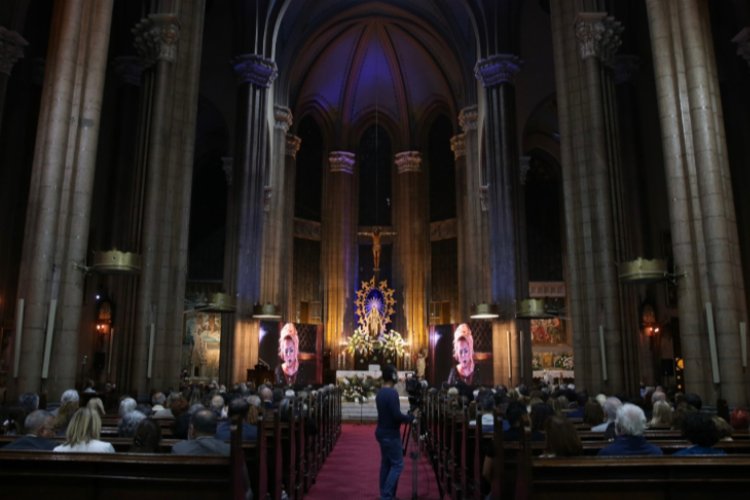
109,351
48,336
19,329
743,343
603,353
712,343
150,349
510,358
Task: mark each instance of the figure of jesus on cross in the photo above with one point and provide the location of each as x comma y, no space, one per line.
376,234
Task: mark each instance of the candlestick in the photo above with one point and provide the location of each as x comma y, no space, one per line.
743,343
603,353
151,334
19,330
712,343
48,337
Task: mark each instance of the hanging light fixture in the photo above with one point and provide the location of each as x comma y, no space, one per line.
484,311
643,271
532,309
116,262
266,311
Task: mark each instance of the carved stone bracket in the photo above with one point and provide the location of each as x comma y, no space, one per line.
293,143
498,69
283,118
408,161
156,38
458,146
341,162
11,49
255,69
468,118
742,39
598,35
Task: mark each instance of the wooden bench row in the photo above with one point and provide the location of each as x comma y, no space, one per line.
292,445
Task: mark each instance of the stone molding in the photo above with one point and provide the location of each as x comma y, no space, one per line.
255,69
11,49
341,162
408,161
282,118
156,38
497,69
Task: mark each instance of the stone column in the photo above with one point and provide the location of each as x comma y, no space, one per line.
471,207
60,196
502,174
278,208
289,307
338,249
242,273
412,244
702,215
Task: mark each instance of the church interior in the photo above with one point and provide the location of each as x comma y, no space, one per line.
179,179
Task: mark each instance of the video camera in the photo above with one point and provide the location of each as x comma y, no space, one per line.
415,388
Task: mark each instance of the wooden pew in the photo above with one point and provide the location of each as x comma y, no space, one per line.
33,475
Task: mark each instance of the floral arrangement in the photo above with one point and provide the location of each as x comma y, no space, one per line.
564,361
391,345
361,343
547,360
359,389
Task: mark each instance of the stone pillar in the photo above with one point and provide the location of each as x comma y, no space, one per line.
702,215
338,249
505,247
289,306
60,196
278,218
471,216
242,273
412,244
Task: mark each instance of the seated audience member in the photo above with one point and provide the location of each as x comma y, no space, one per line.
661,415
630,423
217,405
518,419
28,401
739,419
69,402
166,410
611,406
593,414
129,422
39,428
83,433
562,438
266,396
540,413
723,429
157,402
240,408
201,437
127,405
700,429
180,410
96,405
146,437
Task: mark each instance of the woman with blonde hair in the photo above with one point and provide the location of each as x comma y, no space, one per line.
661,415
82,435
463,352
286,373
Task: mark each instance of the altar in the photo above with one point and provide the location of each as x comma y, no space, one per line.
363,408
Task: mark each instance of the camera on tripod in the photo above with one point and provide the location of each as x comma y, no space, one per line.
415,388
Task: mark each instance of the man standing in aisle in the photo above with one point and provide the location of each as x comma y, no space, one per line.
388,433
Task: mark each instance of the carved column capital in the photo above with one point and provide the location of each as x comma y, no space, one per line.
497,69
255,69
458,146
408,161
598,35
128,69
11,49
468,118
742,39
156,38
282,118
341,162
293,143
227,165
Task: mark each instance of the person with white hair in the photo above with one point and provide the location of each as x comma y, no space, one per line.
463,352
287,372
630,423
610,407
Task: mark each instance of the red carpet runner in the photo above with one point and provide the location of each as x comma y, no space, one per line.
352,469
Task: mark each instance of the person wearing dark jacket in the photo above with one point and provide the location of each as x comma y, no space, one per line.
388,433
39,425
629,426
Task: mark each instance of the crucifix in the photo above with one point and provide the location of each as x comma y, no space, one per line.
376,234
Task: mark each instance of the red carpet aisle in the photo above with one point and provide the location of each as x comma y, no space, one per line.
351,470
